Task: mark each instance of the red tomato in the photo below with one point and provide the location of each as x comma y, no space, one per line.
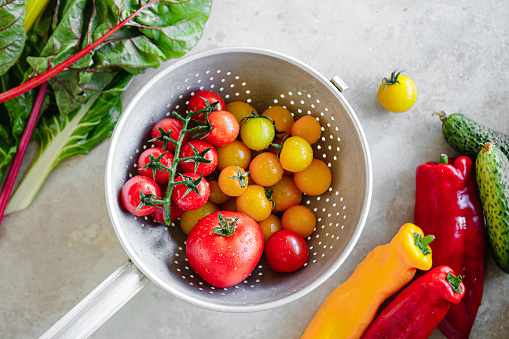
150,161
192,200
225,260
286,251
225,128
199,146
199,101
175,213
168,124
130,194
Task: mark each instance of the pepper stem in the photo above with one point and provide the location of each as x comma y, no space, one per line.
226,226
423,242
444,159
454,282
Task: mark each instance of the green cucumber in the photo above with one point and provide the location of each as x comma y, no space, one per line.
467,136
492,174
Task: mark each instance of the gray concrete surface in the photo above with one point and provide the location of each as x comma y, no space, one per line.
56,251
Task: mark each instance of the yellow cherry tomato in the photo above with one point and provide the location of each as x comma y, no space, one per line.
282,118
190,218
296,154
216,195
315,179
240,109
257,132
233,181
308,128
254,203
270,225
285,194
398,93
265,169
235,153
299,219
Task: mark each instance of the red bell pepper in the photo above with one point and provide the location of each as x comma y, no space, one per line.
418,309
447,205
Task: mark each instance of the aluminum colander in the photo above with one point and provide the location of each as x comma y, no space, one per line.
157,252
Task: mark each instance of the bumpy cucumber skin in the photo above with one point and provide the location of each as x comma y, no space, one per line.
492,174
467,137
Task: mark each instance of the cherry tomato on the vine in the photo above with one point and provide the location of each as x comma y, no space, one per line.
200,99
175,213
282,118
265,169
255,203
153,163
193,148
296,154
168,124
233,181
308,128
285,194
235,153
130,194
398,93
225,128
315,179
240,109
191,200
286,251
299,219
257,132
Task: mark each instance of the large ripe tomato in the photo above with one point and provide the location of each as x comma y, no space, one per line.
397,94
130,194
315,179
257,132
200,100
154,163
255,203
193,148
265,169
191,200
296,154
225,128
224,248
167,124
282,118
286,251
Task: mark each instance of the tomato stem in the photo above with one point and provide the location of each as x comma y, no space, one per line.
227,226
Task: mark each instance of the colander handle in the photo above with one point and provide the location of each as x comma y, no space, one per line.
100,304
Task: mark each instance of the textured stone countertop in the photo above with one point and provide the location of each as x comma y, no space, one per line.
61,247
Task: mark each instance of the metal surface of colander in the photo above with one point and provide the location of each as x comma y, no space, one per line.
263,79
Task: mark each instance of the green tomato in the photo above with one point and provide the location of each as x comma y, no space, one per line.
257,132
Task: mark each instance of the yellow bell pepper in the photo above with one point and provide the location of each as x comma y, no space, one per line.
351,307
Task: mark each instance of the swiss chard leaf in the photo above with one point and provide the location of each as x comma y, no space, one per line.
12,33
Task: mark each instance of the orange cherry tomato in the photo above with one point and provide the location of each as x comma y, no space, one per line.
240,109
216,195
265,169
299,219
296,154
270,225
190,218
282,118
308,128
233,181
254,203
235,153
315,179
285,194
